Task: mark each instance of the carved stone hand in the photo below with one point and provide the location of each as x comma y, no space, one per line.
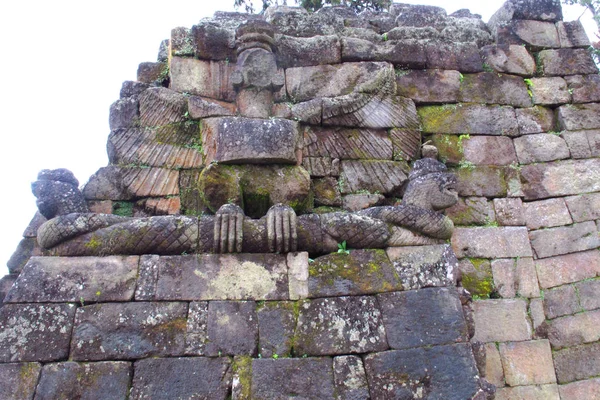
281,229
229,229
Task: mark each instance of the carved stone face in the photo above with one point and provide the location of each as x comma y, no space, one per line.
445,194
57,193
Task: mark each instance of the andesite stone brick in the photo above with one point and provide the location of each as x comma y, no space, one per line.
405,53
489,150
589,294
232,329
161,106
540,147
566,62
538,392
350,378
303,52
546,213
471,211
555,271
471,119
509,211
501,242
579,145
196,334
203,78
527,280
508,58
149,72
493,371
586,389
572,34
584,88
501,320
482,180
577,363
463,57
535,119
527,363
573,117
534,35
276,326
536,310
429,86
574,329
560,178
561,301
564,240
19,380
386,177
584,207
549,91
494,88
503,271
424,266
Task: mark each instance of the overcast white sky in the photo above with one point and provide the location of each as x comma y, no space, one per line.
63,65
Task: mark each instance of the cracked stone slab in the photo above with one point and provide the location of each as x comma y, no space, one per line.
72,380
62,279
35,332
182,378
339,325
122,331
213,277
18,380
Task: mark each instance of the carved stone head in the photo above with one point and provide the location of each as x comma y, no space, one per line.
431,186
57,193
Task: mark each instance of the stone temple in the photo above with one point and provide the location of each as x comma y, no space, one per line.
390,205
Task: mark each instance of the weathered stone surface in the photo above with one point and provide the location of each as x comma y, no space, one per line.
580,390
539,10
580,116
347,144
569,268
561,301
161,106
546,213
566,62
564,240
482,181
214,40
424,266
504,277
114,331
535,120
350,378
35,332
203,78
475,276
149,72
196,329
245,140
360,272
560,178
509,211
527,280
298,275
296,21
588,294
469,119
488,150
182,378
492,369
124,113
577,363
370,111
6,283
501,321
535,35
549,91
200,107
157,206
418,15
59,279
386,177
402,53
502,242
574,329
494,88
125,183
132,88
584,88
27,248
181,42
463,57
276,325
327,192
429,86
579,142
311,378
340,325
536,310
18,381
213,277
541,392
540,147
71,380
356,202
321,166
527,363
232,328
508,58
445,372
425,317
471,211
572,34
303,52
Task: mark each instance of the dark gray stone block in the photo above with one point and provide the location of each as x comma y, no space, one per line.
18,381
232,328
350,378
276,326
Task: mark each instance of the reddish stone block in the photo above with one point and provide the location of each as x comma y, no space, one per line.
585,207
540,147
509,211
429,86
584,88
566,62
577,363
564,240
560,178
574,330
527,363
527,280
501,320
546,213
569,268
535,120
588,389
504,242
542,392
561,301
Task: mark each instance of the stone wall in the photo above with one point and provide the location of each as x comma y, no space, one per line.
513,107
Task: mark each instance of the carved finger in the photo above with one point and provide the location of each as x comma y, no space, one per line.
285,221
279,230
271,229
293,232
217,234
224,233
239,237
231,233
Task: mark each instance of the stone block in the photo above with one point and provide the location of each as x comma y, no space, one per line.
574,330
369,111
160,206
288,377
6,283
340,325
406,144
527,280
471,119
541,392
149,72
509,211
584,88
197,328
71,380
527,363
577,363
213,40
426,317
593,137
580,390
276,325
501,242
28,247
232,328
566,62
18,381
494,88
589,294
374,176
489,150
508,58
560,178
535,35
123,331
181,43
585,207
564,240
161,106
124,113
561,301
35,332
504,277
327,192
347,144
350,378
200,107
572,34
296,21
536,310
132,88
482,181
298,275
424,266
549,91
546,213
203,78
303,52
182,378
429,86
540,147
443,372
360,272
535,120
61,280
472,211
580,116
247,140
404,53
569,268
501,321
357,202
463,57
492,370
475,275
213,277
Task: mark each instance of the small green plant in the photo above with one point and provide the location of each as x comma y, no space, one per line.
464,164
275,356
402,72
554,133
385,37
81,301
342,248
529,84
487,68
461,77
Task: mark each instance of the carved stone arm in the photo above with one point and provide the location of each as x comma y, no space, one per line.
229,229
